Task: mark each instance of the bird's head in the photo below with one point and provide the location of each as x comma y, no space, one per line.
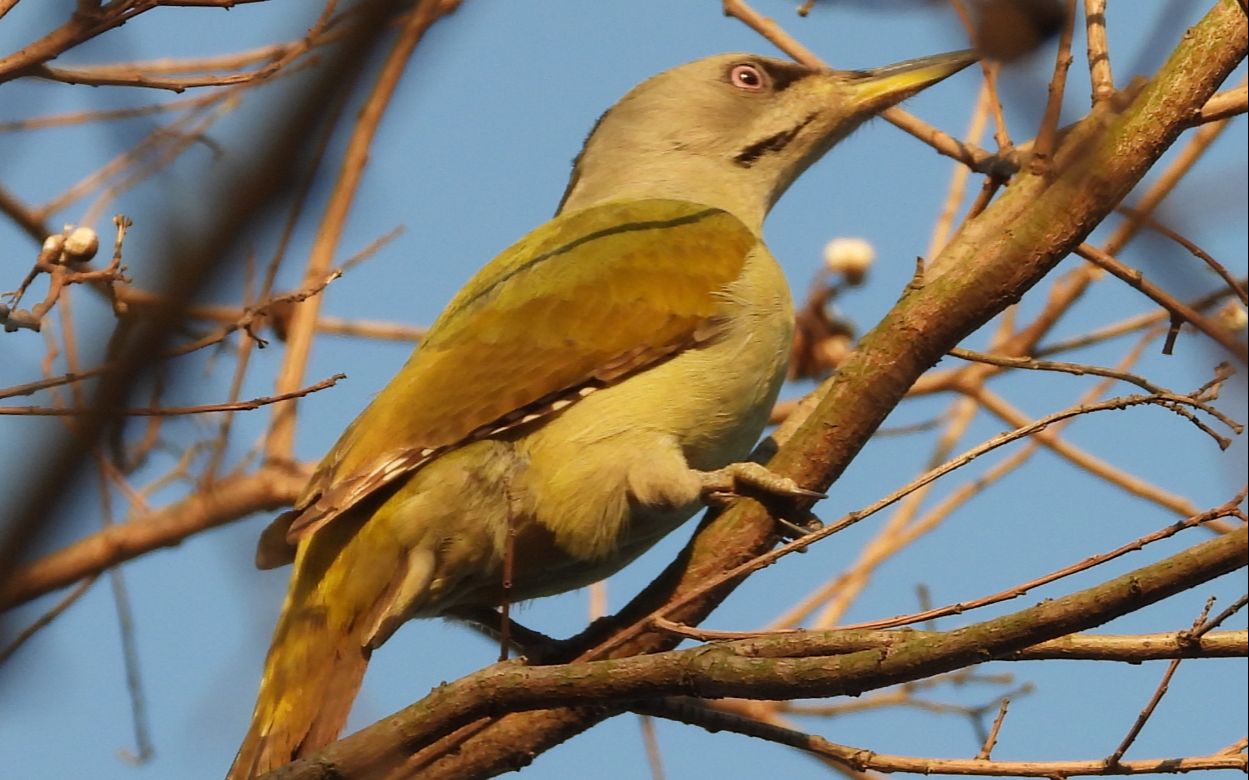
735,130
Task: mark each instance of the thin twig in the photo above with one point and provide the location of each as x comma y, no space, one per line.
1181,163
276,58
1223,105
989,69
990,741
46,618
863,759
1178,309
957,187
1226,510
1163,685
1237,286
293,215
243,322
175,411
129,645
1218,619
649,739
1100,75
1077,369
1243,742
1047,137
957,498
894,533
105,115
1129,325
1004,410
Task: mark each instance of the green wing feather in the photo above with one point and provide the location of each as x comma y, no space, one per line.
588,296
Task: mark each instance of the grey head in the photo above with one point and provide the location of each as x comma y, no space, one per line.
735,130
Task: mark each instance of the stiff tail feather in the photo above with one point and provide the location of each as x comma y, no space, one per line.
307,691
320,647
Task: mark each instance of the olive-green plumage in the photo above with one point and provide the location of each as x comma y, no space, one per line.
584,389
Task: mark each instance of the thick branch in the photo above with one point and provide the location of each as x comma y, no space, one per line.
717,671
1126,648
231,498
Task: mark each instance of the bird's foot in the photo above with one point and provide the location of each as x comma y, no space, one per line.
721,486
736,479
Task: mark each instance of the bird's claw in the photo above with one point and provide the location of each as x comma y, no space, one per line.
723,485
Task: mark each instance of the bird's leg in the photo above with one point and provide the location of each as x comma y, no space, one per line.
509,567
736,479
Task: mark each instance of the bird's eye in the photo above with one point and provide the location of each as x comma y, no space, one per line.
748,77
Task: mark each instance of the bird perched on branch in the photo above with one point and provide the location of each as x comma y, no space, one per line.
580,397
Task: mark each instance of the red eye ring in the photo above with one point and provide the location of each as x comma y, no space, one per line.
748,77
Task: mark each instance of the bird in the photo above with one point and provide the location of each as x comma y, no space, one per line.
583,395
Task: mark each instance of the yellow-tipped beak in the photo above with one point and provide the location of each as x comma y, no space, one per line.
885,86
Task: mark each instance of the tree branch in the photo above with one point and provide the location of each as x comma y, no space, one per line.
229,499
861,760
723,670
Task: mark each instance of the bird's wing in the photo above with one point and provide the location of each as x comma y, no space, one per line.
582,301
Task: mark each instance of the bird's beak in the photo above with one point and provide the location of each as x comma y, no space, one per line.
879,88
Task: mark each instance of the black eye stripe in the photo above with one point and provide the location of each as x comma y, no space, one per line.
776,76
784,74
749,155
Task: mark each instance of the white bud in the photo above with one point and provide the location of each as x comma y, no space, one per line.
1233,317
851,257
81,244
50,252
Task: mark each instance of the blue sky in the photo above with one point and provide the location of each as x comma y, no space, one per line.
474,152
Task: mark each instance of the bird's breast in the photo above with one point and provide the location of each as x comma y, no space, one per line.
723,392
617,464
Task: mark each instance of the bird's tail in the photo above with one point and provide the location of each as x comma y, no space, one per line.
319,651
